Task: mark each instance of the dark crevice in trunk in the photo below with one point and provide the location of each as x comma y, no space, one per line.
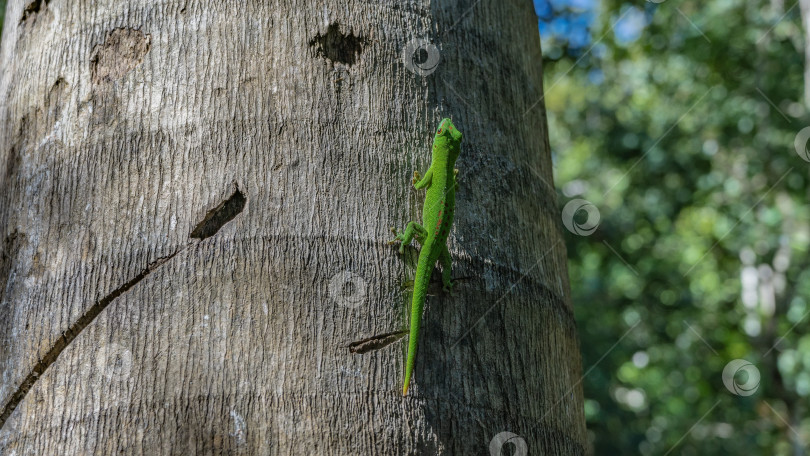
376,342
219,216
215,219
68,336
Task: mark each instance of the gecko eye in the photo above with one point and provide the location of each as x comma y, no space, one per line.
439,132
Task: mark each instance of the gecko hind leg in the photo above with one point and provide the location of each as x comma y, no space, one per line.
412,231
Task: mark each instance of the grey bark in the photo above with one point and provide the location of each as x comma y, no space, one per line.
195,208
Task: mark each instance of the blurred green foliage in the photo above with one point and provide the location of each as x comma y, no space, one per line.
684,141
2,16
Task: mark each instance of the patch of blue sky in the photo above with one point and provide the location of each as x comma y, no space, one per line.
630,25
566,21
569,22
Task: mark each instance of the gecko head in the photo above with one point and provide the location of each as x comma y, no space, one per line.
448,135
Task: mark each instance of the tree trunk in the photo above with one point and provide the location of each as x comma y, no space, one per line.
195,204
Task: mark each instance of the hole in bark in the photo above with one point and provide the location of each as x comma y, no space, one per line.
33,9
55,101
12,162
338,47
14,158
122,51
376,342
219,216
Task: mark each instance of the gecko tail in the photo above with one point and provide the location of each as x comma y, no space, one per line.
423,270
409,364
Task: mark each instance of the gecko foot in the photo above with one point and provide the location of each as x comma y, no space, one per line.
396,236
397,240
448,288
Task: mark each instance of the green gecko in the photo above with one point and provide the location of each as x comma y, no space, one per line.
437,215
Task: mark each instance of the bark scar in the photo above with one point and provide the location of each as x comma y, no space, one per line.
215,219
376,342
72,332
338,47
122,51
220,215
33,9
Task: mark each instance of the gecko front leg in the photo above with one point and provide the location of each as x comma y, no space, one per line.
412,230
424,182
